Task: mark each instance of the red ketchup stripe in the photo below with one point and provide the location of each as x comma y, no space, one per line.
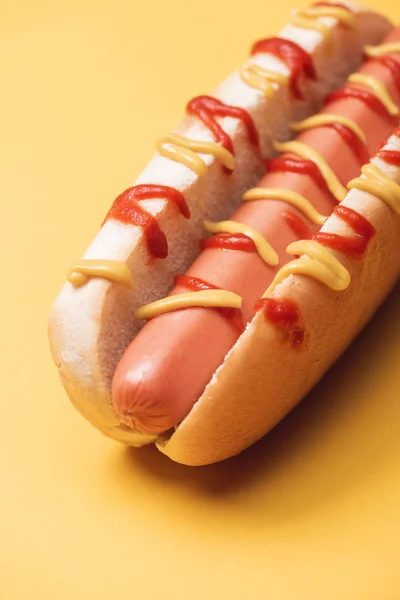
297,60
396,132
362,95
195,284
392,157
385,141
298,225
394,67
126,209
286,164
335,4
226,241
285,315
207,108
352,140
352,246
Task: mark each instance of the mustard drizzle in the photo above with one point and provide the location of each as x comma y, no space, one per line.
291,197
329,119
377,88
305,151
184,150
315,261
378,184
264,249
202,298
114,270
261,79
308,18
382,49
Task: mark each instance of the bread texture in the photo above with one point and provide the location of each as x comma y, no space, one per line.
91,326
263,377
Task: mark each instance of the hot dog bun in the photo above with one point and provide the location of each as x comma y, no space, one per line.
166,368
262,379
91,326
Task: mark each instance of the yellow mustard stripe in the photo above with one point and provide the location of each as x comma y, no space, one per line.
307,23
264,249
329,119
378,184
289,196
315,261
205,298
183,150
378,89
114,270
305,151
308,18
261,79
382,49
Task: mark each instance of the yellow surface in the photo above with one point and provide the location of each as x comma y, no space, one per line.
312,511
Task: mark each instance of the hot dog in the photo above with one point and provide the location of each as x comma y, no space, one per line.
151,233
265,375
303,322
168,365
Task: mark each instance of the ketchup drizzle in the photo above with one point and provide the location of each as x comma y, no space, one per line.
394,67
195,284
392,157
126,209
287,164
284,313
352,140
298,225
296,58
352,246
207,108
335,4
226,241
348,91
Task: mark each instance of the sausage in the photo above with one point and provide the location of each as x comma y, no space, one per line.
168,365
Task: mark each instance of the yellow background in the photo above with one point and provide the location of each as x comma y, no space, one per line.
312,511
